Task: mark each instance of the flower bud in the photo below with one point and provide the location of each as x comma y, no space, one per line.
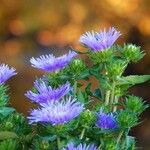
134,104
8,125
76,67
101,56
132,53
116,68
126,119
87,118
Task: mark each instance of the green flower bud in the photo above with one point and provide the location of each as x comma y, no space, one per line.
8,125
132,53
126,119
102,56
110,145
116,68
76,66
87,118
134,104
45,145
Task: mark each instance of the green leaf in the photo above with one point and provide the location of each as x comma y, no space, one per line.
49,138
7,135
80,96
9,144
97,93
5,111
133,79
84,75
130,143
88,88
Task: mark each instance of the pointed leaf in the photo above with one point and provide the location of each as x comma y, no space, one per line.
130,143
97,94
49,138
133,79
5,111
7,135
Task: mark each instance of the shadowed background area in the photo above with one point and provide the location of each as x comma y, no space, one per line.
31,28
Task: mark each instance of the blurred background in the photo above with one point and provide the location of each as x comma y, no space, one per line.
34,27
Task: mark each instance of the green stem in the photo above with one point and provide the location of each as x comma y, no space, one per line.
99,148
112,94
82,134
116,102
107,97
75,87
58,143
119,137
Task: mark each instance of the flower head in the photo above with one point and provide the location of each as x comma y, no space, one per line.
81,147
51,63
6,73
56,112
102,40
46,93
106,121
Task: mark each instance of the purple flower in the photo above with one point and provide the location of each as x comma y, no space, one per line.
51,63
98,41
56,112
81,147
6,73
46,93
106,121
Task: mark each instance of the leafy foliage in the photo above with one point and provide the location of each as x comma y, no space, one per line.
110,97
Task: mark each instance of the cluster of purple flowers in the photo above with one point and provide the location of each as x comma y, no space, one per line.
71,146
98,41
54,108
6,73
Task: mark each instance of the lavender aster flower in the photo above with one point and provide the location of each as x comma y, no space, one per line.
51,63
106,121
6,73
56,112
81,147
98,41
47,93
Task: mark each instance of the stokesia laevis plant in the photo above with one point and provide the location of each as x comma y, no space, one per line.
75,115
68,117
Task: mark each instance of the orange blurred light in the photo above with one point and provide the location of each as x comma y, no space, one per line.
16,27
144,25
12,48
45,37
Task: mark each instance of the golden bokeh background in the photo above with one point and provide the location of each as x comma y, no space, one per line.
34,27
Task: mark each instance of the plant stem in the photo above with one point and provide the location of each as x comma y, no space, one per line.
116,102
82,134
75,87
107,97
58,143
99,148
119,137
112,93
